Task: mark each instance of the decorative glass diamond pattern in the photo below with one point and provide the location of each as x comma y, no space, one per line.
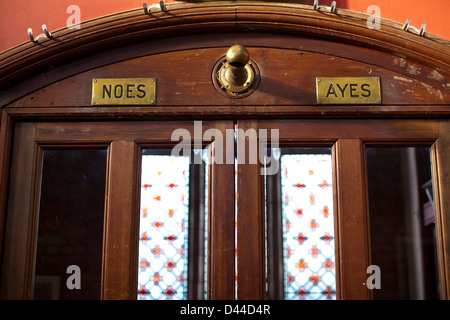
308,227
163,229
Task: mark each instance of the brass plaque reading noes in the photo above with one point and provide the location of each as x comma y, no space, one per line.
132,91
348,90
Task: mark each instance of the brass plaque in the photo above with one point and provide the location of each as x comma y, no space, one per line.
348,90
132,91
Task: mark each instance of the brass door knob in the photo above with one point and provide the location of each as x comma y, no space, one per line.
236,74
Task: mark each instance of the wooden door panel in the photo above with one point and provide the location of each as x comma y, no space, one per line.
123,141
348,138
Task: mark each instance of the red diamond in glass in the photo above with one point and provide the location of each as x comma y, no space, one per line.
169,292
170,265
171,212
301,265
290,278
142,290
172,185
314,251
327,238
144,237
157,251
289,252
324,184
328,264
170,238
329,292
146,186
287,199
302,292
325,211
157,224
299,185
314,279
156,278
288,225
312,198
314,224
301,238
144,264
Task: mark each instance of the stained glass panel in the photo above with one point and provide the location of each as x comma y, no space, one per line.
308,227
163,231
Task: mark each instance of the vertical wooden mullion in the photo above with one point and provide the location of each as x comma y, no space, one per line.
251,271
221,225
119,278
353,239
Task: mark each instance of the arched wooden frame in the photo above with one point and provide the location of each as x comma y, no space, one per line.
43,59
32,67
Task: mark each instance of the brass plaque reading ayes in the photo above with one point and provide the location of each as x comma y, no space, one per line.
348,90
132,91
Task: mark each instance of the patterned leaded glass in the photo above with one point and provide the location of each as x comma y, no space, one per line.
163,231
308,227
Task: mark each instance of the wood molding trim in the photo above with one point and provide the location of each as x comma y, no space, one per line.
134,26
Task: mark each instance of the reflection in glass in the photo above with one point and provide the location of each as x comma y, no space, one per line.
402,224
172,228
70,230
304,198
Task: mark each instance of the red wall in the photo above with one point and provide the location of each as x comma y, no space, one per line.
17,16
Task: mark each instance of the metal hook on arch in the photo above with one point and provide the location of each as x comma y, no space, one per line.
147,9
47,34
317,6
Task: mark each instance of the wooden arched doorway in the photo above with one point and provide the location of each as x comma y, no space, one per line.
47,107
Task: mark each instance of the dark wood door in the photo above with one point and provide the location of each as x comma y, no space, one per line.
118,148
358,237
110,154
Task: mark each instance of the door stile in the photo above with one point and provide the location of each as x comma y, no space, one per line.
353,242
251,272
20,229
6,133
221,234
441,186
119,278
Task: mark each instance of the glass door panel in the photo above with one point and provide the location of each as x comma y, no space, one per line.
303,261
70,229
299,202
172,232
85,204
402,222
